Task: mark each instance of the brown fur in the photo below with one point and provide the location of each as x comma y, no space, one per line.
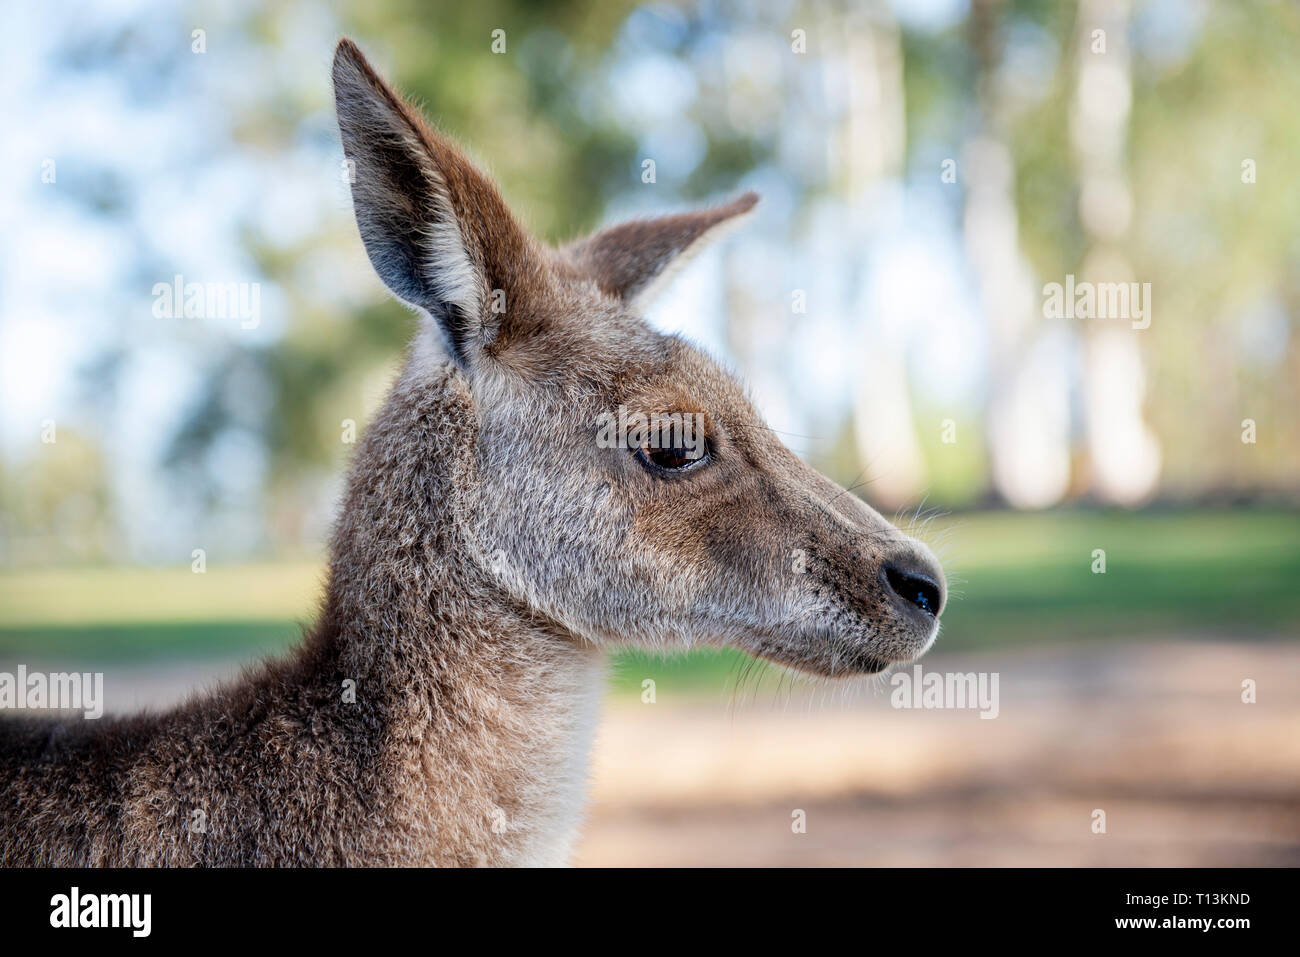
488,550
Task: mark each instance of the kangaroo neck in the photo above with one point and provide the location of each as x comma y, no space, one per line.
477,700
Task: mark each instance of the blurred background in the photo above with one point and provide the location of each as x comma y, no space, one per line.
927,168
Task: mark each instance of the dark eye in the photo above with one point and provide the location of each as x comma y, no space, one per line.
673,458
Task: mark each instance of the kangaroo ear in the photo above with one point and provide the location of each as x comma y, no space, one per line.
436,229
633,261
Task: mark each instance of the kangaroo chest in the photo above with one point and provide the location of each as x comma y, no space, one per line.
502,779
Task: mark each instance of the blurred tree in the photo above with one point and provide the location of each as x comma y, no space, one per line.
56,504
1195,138
1123,455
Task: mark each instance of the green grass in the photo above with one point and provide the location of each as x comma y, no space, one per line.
265,592
1015,578
1029,577
703,670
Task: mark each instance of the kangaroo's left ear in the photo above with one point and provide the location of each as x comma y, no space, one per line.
633,261
436,229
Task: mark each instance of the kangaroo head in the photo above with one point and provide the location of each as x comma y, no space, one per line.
626,488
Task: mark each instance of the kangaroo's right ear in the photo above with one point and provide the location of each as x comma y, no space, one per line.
633,261
436,229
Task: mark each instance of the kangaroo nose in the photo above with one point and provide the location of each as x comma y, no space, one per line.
915,580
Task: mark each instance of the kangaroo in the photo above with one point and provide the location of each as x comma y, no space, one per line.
489,551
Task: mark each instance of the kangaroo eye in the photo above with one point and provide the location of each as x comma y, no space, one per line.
673,458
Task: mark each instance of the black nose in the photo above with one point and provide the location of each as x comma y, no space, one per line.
916,584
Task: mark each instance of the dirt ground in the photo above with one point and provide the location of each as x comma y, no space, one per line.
1154,735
